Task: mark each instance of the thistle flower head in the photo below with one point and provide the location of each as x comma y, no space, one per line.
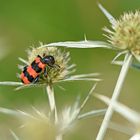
61,72
62,59
126,33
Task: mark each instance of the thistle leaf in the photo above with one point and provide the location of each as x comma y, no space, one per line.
10,83
126,112
14,135
81,44
111,19
92,113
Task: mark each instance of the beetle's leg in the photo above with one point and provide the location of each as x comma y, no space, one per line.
25,67
45,72
35,80
39,56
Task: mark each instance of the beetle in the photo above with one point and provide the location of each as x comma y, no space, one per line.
31,73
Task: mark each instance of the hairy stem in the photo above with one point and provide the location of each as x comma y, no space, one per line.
126,64
50,92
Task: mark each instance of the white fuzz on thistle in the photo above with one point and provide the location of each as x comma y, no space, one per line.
67,118
38,124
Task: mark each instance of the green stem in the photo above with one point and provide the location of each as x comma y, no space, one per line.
126,64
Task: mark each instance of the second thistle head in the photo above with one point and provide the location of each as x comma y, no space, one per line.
126,33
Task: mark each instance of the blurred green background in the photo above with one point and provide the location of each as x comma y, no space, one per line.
26,23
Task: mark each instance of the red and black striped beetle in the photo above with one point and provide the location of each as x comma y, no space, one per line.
31,73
